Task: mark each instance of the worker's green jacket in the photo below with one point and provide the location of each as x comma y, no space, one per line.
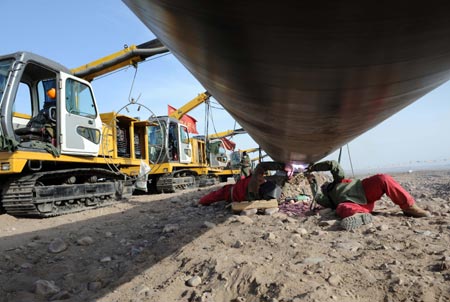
341,189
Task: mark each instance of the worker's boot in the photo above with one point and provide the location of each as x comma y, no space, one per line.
415,211
355,221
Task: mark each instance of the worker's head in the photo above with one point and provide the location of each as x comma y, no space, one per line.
260,178
244,153
289,169
51,93
269,190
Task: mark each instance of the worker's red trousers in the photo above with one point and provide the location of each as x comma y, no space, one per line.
374,187
239,192
218,195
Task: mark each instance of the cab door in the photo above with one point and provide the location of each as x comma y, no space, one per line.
185,146
80,126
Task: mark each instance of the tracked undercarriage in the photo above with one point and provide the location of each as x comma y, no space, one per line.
182,180
53,193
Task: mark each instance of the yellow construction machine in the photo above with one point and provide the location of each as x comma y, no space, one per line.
218,144
56,148
179,160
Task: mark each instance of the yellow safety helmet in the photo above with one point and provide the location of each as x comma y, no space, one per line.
51,93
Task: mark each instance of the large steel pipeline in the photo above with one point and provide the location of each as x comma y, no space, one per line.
306,77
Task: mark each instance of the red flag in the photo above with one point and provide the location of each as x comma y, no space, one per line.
170,109
187,120
229,145
190,123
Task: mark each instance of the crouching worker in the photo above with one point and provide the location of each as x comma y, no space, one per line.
355,199
253,187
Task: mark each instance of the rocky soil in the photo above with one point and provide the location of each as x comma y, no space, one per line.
166,248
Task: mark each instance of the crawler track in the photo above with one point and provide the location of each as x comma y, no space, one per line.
176,181
53,193
180,180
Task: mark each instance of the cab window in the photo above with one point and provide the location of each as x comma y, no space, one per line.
5,67
43,98
184,135
79,99
22,103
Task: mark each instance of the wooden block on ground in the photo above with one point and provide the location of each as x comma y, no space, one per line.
256,204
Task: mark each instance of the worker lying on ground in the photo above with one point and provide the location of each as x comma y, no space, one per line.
355,199
253,187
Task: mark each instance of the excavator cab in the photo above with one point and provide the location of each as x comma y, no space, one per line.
64,122
50,139
218,157
174,139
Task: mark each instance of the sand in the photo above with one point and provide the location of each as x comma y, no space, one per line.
165,247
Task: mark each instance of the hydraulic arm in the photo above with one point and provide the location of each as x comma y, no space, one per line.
130,55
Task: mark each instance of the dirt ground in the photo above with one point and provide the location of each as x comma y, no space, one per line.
165,248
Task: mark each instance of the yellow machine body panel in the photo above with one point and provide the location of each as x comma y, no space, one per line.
16,161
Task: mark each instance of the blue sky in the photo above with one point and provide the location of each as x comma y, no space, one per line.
74,33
